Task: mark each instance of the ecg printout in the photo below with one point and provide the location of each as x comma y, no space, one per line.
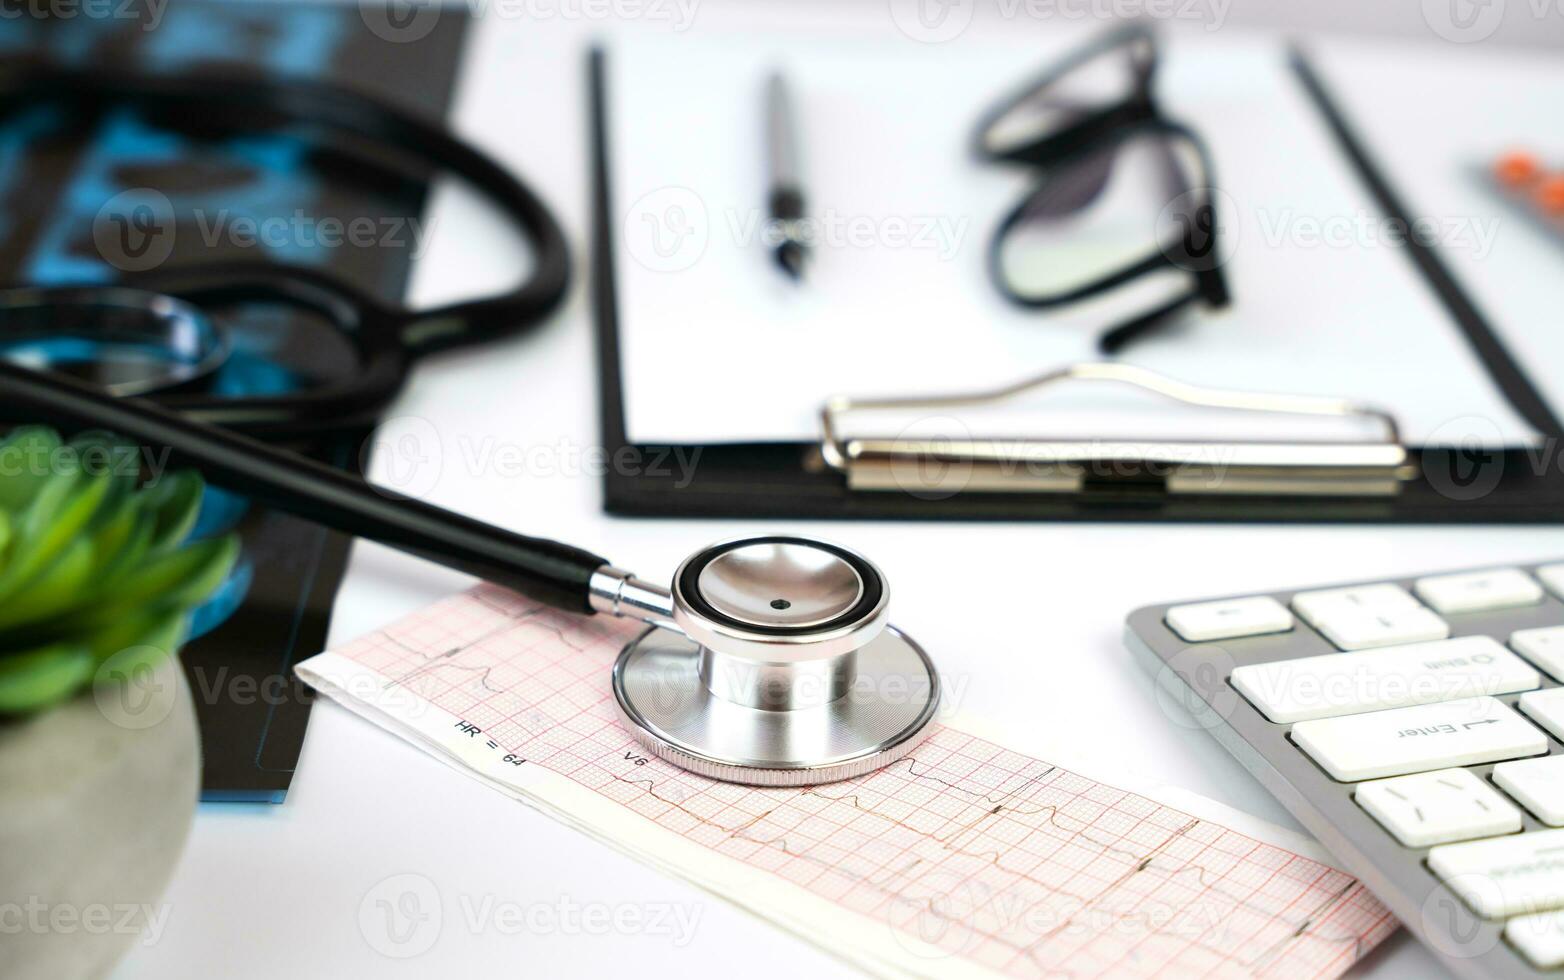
963,859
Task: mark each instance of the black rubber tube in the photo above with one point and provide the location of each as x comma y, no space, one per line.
548,571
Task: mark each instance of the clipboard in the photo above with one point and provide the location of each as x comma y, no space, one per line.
1383,482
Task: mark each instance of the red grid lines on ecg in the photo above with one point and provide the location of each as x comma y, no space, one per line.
978,851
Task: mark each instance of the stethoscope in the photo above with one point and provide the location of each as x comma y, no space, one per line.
154,334
767,660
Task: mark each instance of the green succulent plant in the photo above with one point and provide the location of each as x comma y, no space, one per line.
93,563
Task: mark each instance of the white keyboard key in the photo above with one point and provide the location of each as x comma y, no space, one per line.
1438,807
1540,938
1333,684
1407,740
1226,619
1501,588
1365,616
1538,784
1355,629
1553,577
1543,646
1515,875
1380,597
1547,709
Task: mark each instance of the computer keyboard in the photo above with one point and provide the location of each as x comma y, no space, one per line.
1414,727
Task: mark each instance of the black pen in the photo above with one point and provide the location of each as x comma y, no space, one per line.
786,198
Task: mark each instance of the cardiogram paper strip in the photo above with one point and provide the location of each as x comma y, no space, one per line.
963,859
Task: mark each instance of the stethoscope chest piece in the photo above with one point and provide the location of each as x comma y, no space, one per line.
781,670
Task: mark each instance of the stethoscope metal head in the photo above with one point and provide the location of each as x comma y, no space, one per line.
770,664
768,661
126,341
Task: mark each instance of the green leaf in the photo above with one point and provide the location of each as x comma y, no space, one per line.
32,524
5,538
38,678
175,500
128,557
152,636
115,528
94,570
27,459
55,590
111,458
177,579
49,525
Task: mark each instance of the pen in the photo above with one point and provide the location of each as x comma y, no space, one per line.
786,198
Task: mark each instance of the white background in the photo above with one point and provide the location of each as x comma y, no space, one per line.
1029,614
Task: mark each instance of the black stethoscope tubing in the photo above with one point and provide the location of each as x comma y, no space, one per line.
388,340
553,573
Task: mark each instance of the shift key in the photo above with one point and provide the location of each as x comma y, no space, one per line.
1390,677
1468,732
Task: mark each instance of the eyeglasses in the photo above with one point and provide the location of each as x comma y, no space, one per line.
1124,193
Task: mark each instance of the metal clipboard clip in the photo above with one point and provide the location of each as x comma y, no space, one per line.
942,467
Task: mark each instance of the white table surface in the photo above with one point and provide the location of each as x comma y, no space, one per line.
1029,615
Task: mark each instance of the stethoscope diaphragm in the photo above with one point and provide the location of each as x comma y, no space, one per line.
775,667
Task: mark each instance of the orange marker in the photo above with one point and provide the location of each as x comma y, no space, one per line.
1516,168
1550,194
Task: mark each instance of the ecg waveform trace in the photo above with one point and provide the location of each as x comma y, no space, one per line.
977,851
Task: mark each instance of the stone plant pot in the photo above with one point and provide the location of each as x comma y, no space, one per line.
97,796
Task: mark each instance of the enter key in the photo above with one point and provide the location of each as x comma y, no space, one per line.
1467,732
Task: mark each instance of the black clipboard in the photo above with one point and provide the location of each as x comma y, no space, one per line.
793,479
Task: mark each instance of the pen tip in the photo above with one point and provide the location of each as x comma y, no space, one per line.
790,256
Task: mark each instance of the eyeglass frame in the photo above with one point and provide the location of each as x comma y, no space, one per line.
1138,113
